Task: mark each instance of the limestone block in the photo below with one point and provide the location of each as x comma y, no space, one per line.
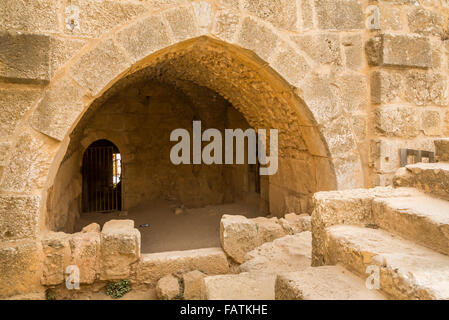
431,123
182,23
58,109
339,14
85,254
144,37
98,17
407,270
424,88
390,16
442,149
323,283
307,14
386,86
39,16
334,207
339,137
289,253
258,38
95,69
204,16
243,286
295,175
29,162
93,227
268,229
431,178
385,153
20,267
192,284
238,235
399,50
168,288
18,217
226,23
281,13
301,222
353,49
373,50
24,57
229,3
283,200
164,4
62,49
397,121
154,266
14,103
4,148
56,250
291,65
358,123
322,97
120,249
426,22
323,48
352,207
420,219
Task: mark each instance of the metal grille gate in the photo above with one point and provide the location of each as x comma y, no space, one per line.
101,179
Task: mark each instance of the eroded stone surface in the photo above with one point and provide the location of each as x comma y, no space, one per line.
323,283
120,249
167,288
399,50
442,149
289,253
243,286
193,281
24,57
18,217
20,263
154,266
56,250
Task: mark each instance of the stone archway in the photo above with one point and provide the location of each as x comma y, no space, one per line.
41,146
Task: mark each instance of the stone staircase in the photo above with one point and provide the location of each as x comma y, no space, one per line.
397,235
401,231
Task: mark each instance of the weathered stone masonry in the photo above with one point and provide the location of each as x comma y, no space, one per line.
344,98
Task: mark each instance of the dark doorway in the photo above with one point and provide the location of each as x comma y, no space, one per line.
102,183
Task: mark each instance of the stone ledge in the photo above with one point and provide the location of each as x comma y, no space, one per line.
400,51
154,266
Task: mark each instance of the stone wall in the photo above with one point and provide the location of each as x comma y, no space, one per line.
409,82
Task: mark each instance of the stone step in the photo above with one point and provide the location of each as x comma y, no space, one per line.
442,149
323,283
289,253
242,286
422,219
407,270
432,178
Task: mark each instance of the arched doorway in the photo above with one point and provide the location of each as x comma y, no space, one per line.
101,172
238,78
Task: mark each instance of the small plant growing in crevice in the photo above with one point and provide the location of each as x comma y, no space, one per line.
118,289
50,294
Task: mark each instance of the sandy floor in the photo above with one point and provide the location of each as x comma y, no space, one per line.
195,229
